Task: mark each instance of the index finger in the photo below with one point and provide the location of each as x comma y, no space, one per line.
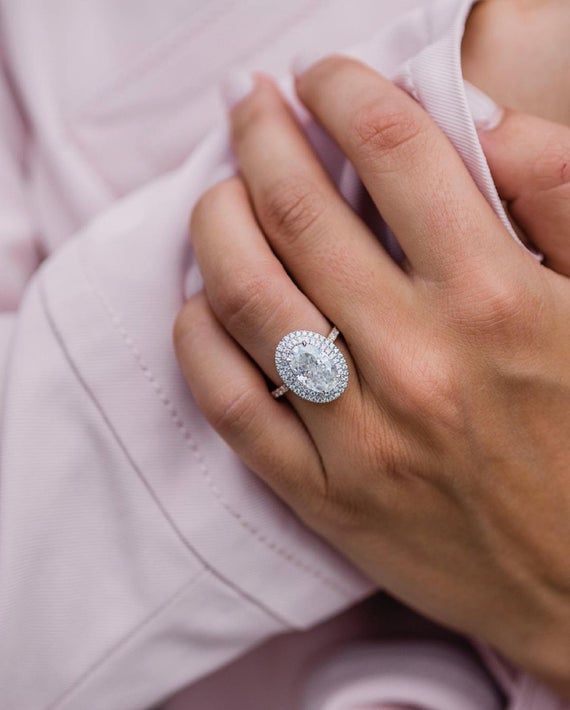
529,158
414,175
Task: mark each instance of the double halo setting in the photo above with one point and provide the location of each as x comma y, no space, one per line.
311,366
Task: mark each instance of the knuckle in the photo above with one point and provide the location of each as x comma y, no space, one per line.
498,302
233,415
500,307
337,512
247,300
425,385
291,207
552,163
385,452
379,131
435,395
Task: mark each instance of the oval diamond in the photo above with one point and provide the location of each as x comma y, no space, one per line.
311,366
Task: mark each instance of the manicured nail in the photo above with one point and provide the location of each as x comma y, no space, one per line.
236,87
305,61
485,112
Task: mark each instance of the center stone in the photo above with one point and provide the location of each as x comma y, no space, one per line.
313,368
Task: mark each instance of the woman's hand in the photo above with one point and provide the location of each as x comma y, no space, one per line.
443,471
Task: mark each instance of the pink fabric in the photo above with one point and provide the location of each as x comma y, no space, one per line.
137,554
422,674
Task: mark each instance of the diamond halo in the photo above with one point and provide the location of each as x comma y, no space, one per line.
311,366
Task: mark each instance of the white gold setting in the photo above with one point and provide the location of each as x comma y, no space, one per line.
311,366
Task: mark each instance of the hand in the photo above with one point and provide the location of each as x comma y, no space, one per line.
443,470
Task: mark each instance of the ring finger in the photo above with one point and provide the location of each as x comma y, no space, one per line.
249,290
231,392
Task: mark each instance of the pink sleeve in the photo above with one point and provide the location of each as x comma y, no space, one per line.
137,554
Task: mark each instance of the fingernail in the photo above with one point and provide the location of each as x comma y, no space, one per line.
237,85
485,112
306,60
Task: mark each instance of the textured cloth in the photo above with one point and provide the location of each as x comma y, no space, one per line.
137,554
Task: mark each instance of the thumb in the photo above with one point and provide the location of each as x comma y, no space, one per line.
529,159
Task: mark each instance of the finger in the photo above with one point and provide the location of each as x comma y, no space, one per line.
327,249
249,290
530,163
232,394
414,175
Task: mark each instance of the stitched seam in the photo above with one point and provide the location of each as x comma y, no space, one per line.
184,541
206,567
123,641
60,701
192,445
59,340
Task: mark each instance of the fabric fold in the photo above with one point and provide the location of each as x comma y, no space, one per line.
137,553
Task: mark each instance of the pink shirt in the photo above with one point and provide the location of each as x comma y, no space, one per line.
138,556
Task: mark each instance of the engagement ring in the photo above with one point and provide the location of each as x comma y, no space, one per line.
311,366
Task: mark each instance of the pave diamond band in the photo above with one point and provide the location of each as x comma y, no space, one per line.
280,391
311,366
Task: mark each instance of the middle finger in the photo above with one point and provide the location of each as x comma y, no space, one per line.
330,253
414,175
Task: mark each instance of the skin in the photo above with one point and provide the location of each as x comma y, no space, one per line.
443,470
518,52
